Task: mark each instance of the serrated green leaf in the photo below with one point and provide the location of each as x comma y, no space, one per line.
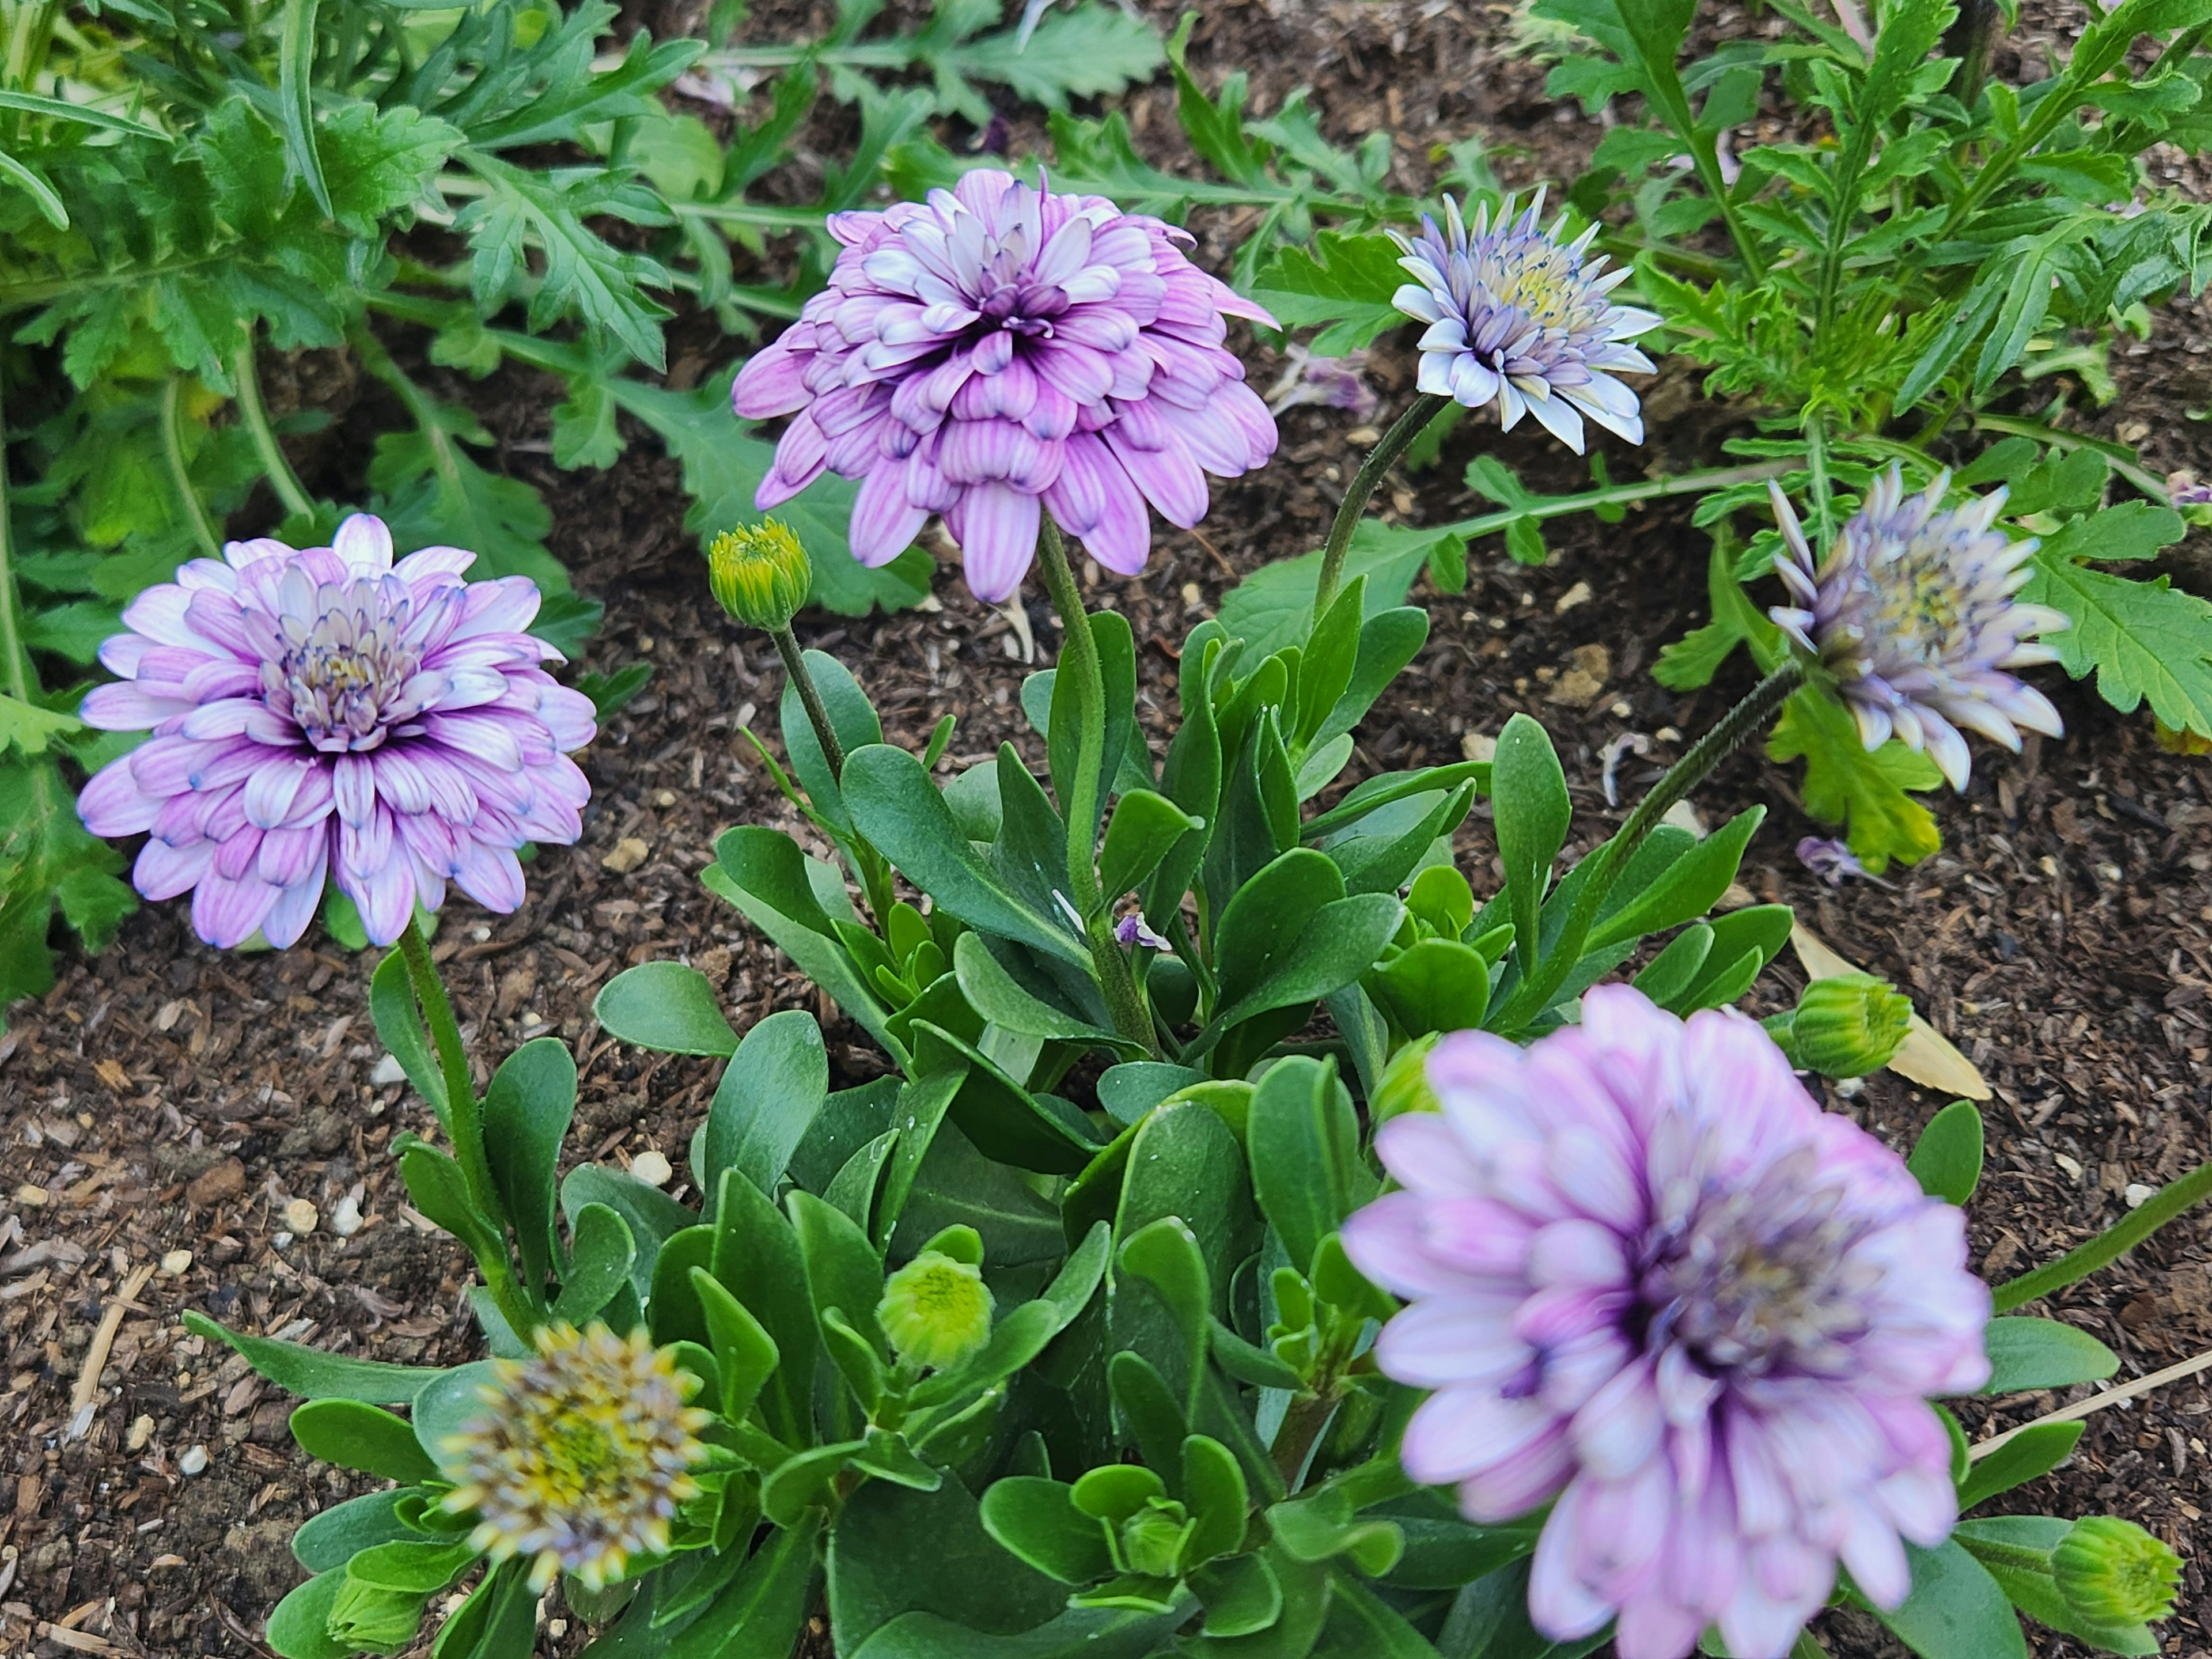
2143,639
1344,287
1845,784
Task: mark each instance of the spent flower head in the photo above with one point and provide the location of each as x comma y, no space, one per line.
1331,382
325,711
1651,1280
760,574
1000,351
2112,1572
1915,613
1519,318
579,1456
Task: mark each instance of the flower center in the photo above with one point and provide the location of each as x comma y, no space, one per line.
345,667
1539,279
1757,1280
1919,604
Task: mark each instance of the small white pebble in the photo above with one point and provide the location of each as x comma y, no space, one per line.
345,1217
388,1071
2137,1194
194,1461
2072,1167
281,1240
300,1217
1622,711
556,1628
1192,593
1578,594
1683,816
1850,1088
2108,872
142,1430
1668,734
651,1168
176,1263
1475,746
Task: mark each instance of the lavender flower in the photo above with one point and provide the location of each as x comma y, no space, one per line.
1331,382
998,351
1832,860
1913,613
323,711
1133,929
1651,1279
1518,318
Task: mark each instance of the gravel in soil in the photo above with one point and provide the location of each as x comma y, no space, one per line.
223,1121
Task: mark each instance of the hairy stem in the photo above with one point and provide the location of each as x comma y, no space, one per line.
285,482
180,474
1078,661
1349,511
1735,729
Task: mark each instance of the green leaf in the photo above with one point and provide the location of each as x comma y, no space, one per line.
2033,1452
769,1093
724,461
380,162
666,1005
764,875
1684,889
1532,810
1077,1633
896,1550
1144,825
852,717
897,808
1036,1520
1164,1254
996,995
329,1538
1435,985
1845,784
1346,283
48,861
842,1270
760,1613
2042,1353
296,98
2142,639
1947,1161
1302,1140
1955,1609
314,1374
1272,607
298,1625
651,1215
744,1353
758,1260
1005,1121
356,1435
1998,1544
600,1258
526,1117
1184,1163
1241,1594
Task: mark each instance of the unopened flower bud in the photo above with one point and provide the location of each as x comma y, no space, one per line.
936,1310
1404,1084
760,574
373,1618
1152,1538
1848,1026
2112,1572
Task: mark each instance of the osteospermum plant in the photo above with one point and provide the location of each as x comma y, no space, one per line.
1256,1234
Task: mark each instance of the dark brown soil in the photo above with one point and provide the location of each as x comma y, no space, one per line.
166,1098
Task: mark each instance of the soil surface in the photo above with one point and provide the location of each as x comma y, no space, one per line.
171,1113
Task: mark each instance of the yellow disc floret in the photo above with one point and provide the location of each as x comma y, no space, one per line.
579,1459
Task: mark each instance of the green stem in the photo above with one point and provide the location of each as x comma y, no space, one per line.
2020,1558
281,479
1349,511
173,447
869,865
1621,495
2123,1235
15,662
463,1119
1816,463
1735,728
1079,661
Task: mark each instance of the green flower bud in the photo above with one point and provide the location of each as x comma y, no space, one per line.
936,1310
1152,1538
373,1618
1404,1084
760,574
1849,1025
2112,1572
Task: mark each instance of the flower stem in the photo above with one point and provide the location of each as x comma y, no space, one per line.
463,1119
794,664
1078,661
180,472
2123,1235
15,661
868,864
1735,728
1303,1424
1349,511
282,479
